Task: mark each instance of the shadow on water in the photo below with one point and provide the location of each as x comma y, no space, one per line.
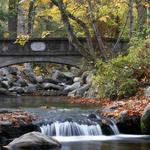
115,145
39,101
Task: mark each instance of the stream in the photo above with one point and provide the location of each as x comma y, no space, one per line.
71,126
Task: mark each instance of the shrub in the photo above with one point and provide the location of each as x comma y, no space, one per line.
121,76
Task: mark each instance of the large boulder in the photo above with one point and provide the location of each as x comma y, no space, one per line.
5,92
5,84
76,79
39,79
17,89
75,70
89,80
72,87
31,88
28,66
72,93
33,140
147,91
13,79
91,93
51,86
145,120
22,82
64,77
80,92
3,72
9,78
84,77
51,80
12,70
68,74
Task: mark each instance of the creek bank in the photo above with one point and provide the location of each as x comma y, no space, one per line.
14,123
17,82
126,113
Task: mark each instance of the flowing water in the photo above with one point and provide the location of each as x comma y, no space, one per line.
71,126
71,129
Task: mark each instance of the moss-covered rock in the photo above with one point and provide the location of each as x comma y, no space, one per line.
145,120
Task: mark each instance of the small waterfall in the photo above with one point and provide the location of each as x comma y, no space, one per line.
114,127
70,129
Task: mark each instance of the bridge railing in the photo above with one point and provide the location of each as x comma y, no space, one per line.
51,46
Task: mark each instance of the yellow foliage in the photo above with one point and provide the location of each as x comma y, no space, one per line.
25,4
22,39
104,18
37,70
44,1
146,4
45,34
53,12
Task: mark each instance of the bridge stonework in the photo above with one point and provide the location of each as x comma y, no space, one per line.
54,50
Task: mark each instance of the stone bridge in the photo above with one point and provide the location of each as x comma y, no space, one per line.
54,50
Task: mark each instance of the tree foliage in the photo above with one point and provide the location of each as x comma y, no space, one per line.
123,76
73,18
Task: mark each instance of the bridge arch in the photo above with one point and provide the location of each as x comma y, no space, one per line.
54,50
66,60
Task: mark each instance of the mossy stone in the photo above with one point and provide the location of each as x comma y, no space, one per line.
145,120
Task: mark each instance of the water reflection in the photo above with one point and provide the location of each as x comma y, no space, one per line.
122,144
113,145
38,101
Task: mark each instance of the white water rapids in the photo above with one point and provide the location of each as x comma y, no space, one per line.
70,129
74,129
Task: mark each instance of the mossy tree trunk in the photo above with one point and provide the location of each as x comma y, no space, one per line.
12,22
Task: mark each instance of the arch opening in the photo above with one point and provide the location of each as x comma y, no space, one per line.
37,78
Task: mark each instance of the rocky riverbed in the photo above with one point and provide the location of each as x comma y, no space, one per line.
14,81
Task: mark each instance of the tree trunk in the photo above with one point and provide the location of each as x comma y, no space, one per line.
96,29
31,16
121,33
12,22
22,23
87,34
148,13
130,18
141,10
71,36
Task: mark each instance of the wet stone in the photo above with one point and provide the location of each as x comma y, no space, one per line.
5,123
